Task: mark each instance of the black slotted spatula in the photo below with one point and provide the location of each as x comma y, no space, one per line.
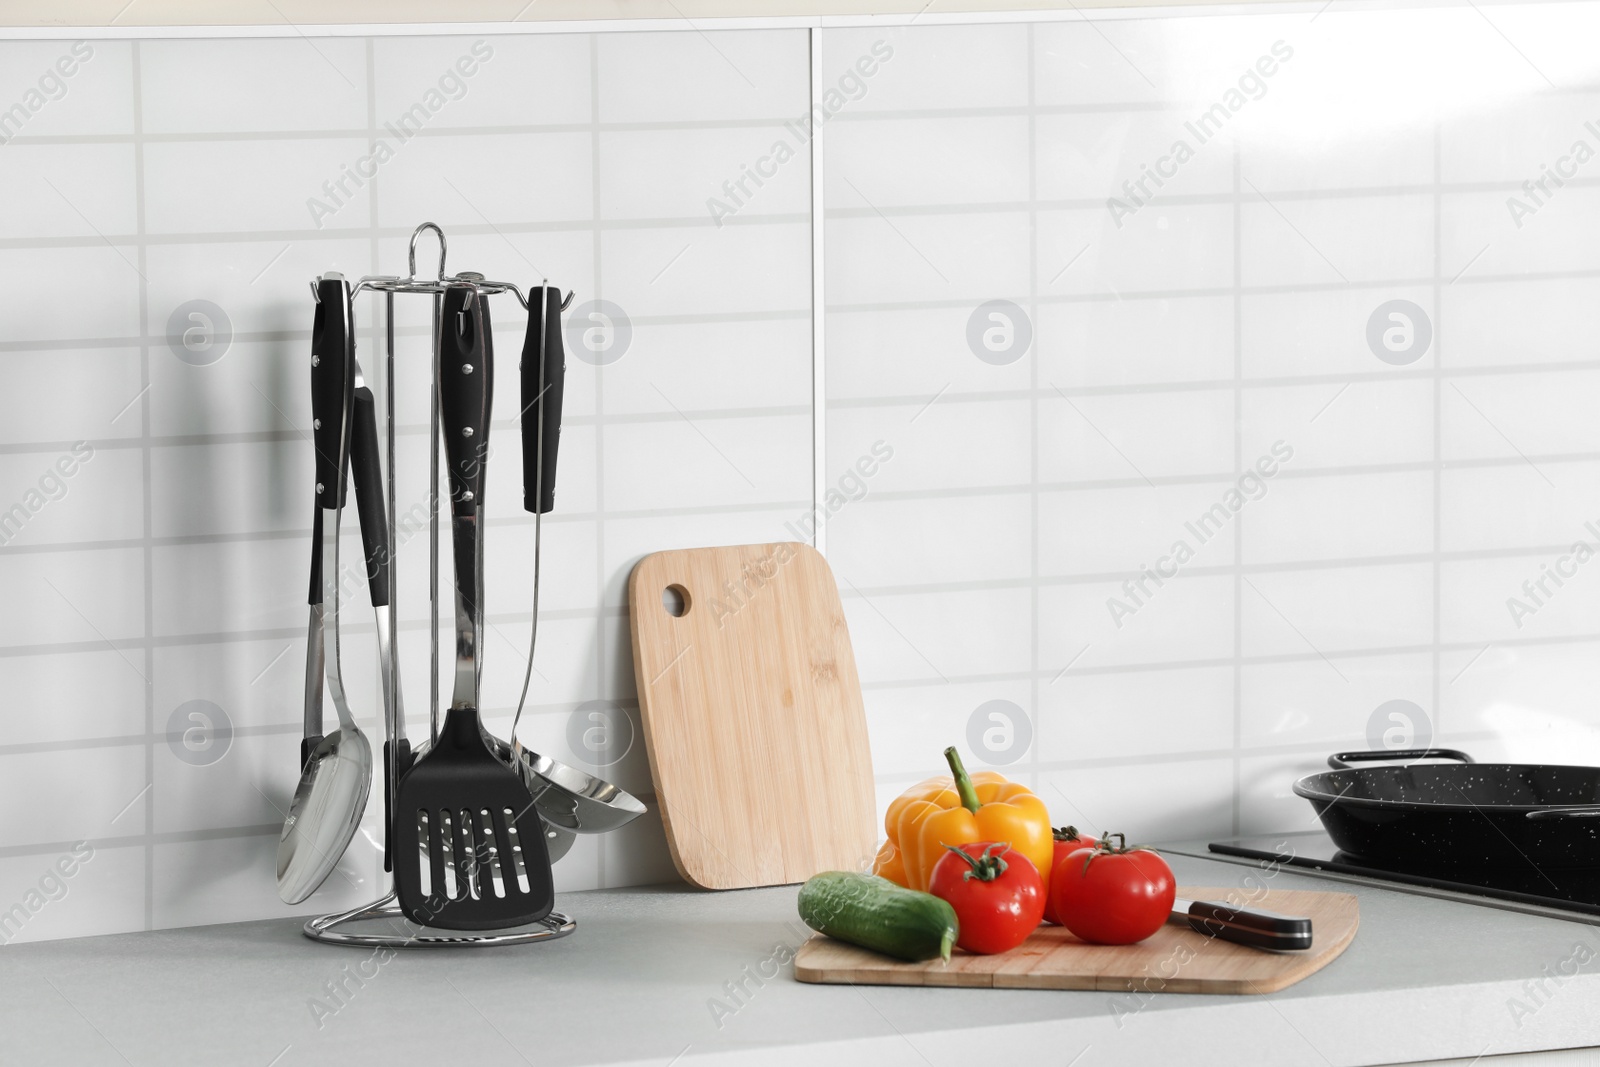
469,848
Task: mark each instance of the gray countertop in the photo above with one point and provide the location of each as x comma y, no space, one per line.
640,981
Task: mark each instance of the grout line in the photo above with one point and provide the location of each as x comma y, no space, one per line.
1239,528
148,840
344,234
377,371
146,496
1437,709
602,617
1264,659
1033,356
819,304
1313,750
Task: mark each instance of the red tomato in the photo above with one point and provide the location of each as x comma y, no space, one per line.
997,894
1067,841
1112,894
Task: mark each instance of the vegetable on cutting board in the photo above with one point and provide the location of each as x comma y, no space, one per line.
960,810
997,894
875,913
1067,841
1113,893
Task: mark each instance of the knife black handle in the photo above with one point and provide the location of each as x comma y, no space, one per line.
541,400
466,384
368,474
330,360
1246,926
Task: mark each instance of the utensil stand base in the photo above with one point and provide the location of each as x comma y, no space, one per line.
407,934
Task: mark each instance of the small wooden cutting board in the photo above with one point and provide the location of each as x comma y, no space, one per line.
1175,959
752,714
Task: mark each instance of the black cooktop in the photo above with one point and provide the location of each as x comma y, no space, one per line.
1570,891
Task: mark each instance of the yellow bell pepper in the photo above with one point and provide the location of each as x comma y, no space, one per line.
960,810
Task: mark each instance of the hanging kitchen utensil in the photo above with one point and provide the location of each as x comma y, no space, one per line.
752,714
337,772
543,378
1413,815
469,848
367,471
542,374
567,798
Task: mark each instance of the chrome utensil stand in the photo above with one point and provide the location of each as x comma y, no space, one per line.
402,932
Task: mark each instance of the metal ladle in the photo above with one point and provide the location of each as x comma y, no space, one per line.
337,776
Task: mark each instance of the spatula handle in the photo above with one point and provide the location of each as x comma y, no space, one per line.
465,385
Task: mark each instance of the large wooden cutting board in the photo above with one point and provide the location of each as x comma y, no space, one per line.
752,715
1175,959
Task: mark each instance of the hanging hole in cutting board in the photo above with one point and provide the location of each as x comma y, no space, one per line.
675,599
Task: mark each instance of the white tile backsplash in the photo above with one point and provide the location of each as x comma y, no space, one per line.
877,258
1138,436
537,80
1164,246
1114,342
478,180
931,67
318,84
1088,156
890,162
1008,550
1320,241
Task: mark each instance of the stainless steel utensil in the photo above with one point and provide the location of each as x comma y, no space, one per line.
570,799
470,850
367,471
566,797
337,775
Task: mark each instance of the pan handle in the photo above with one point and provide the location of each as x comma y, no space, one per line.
1341,760
1563,813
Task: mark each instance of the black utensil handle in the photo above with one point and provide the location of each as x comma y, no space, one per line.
330,347
368,473
1246,926
314,597
466,379
541,401
1342,760
396,762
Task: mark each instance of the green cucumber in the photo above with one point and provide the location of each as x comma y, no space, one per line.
874,913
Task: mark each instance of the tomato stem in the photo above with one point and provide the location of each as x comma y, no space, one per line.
964,786
985,868
1065,833
1104,847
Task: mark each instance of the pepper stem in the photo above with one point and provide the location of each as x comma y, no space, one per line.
964,786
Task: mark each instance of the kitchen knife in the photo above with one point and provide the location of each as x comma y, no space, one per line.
1242,926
